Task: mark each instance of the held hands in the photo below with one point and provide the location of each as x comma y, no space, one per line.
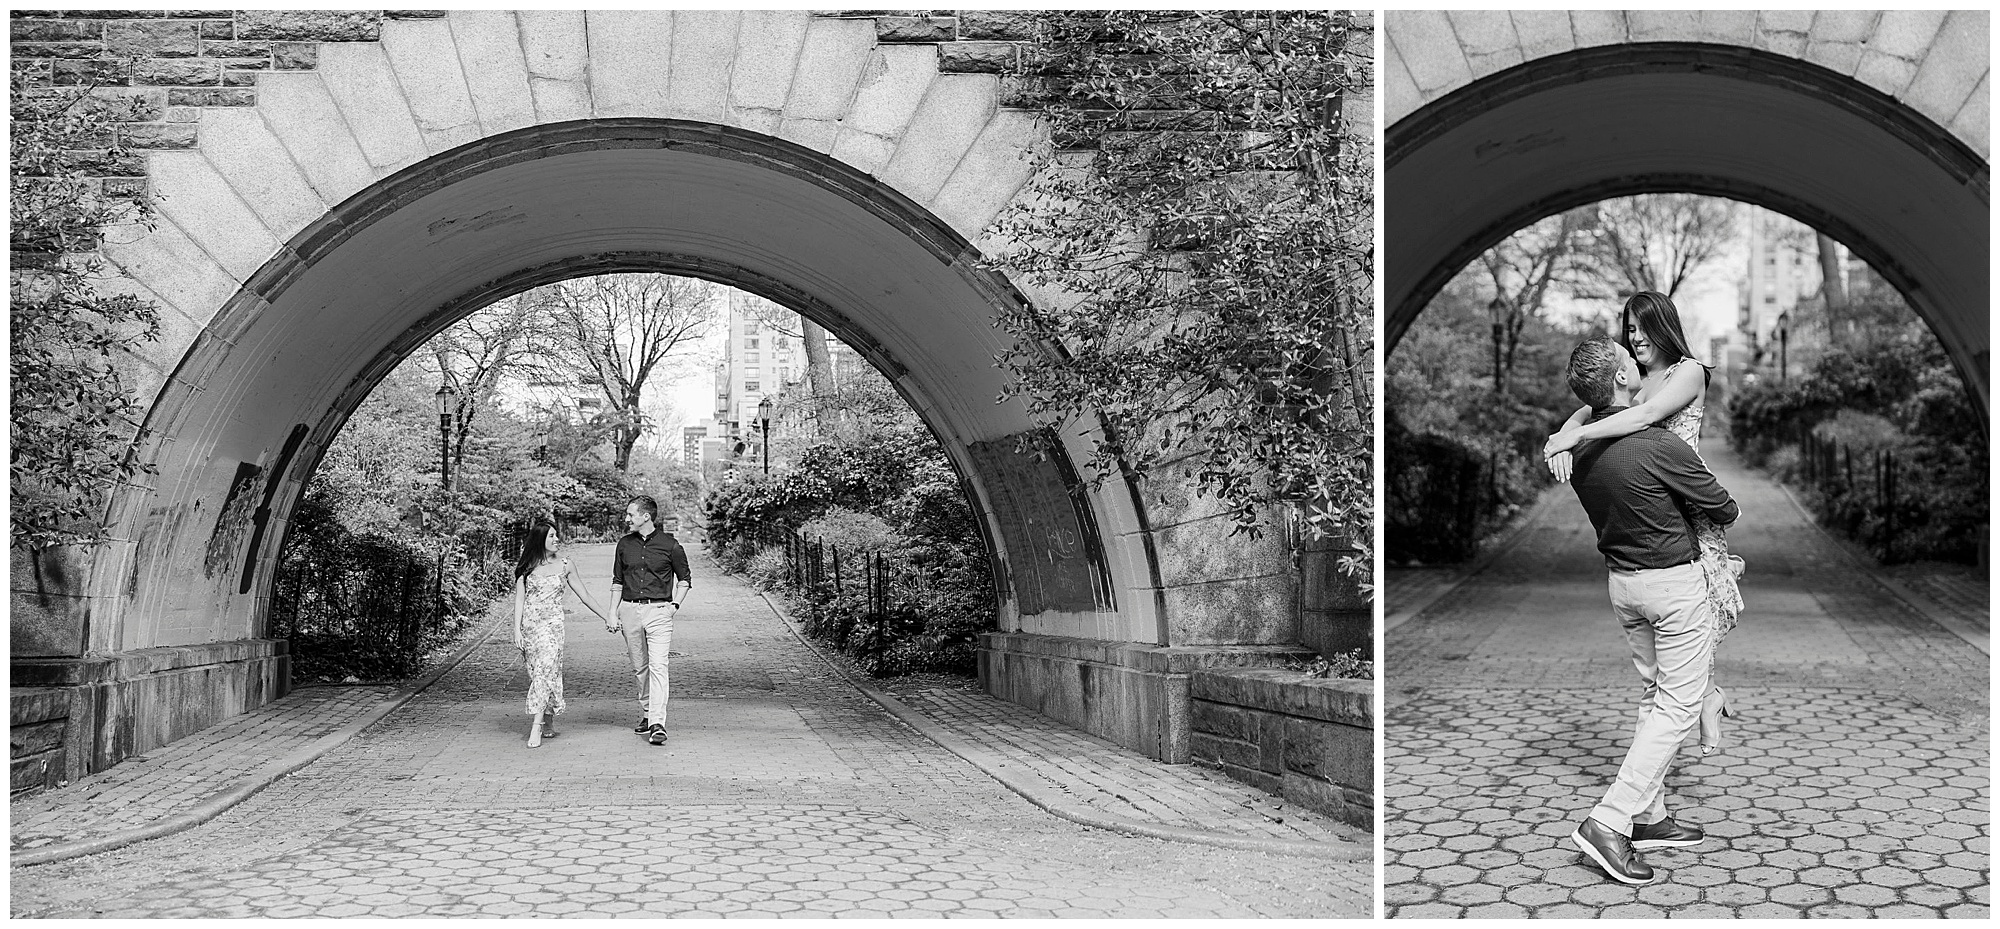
1559,443
1559,466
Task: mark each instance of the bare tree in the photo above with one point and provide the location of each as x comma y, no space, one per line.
473,355
1656,241
615,332
1521,270
1833,288
819,360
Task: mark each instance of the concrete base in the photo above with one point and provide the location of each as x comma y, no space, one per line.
1133,694
69,717
1309,740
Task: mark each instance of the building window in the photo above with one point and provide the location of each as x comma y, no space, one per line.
750,343
749,386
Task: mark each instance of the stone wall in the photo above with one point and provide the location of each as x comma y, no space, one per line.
1309,740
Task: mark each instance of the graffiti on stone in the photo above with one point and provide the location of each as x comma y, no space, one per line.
1052,557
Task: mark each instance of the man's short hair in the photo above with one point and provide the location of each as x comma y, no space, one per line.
646,506
1593,371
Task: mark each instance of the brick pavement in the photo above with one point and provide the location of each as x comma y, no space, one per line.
1854,782
782,790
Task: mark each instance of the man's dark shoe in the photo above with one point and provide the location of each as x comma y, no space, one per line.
658,736
1612,852
1664,834
642,726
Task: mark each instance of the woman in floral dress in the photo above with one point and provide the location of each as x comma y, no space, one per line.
539,579
1671,395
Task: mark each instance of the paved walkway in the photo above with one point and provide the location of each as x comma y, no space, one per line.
1854,782
784,790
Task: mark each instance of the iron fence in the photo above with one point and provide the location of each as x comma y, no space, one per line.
1865,499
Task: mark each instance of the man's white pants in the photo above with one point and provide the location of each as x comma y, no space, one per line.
649,633
1665,615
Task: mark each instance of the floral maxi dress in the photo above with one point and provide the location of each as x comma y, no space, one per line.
1718,567
542,640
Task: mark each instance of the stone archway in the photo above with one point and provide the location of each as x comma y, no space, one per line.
1870,126
373,179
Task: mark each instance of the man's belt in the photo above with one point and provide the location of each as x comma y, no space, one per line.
650,600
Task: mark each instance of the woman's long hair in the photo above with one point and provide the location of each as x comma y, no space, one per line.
1661,322
535,552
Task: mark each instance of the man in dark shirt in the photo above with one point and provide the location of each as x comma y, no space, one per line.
1634,489
643,569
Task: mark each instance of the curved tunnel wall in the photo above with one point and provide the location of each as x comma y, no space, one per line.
1486,155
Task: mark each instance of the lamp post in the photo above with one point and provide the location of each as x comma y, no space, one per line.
764,418
447,410
1784,319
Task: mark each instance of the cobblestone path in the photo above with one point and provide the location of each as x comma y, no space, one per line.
782,791
1853,782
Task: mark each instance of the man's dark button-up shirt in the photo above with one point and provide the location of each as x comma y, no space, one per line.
1633,488
644,568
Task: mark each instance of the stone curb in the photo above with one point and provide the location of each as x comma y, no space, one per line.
249,784
1402,614
1918,603
995,766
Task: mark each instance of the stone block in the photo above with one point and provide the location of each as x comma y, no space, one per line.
200,201
1597,27
218,29
184,72
90,73
1850,26
426,65
977,57
193,96
54,30
294,56
1209,550
47,606
555,50
1242,611
1429,49
1222,720
890,29
950,119
151,39
1401,96
1004,25
1974,120
1543,32
1906,33
36,738
158,135
768,46
59,50
1330,752
1289,693
236,50
1663,25
138,104
1952,66
310,25
1730,27
1838,57
705,44
1351,804
831,61
30,774
496,74
242,147
364,86
1886,73
629,61
993,172
301,113
1228,753
30,705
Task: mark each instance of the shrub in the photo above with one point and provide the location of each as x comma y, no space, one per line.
768,569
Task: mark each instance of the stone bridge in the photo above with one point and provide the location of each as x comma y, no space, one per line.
1870,126
335,187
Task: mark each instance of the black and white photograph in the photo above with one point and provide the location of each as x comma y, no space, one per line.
705,463
1686,425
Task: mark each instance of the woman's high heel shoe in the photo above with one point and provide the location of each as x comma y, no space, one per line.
1714,706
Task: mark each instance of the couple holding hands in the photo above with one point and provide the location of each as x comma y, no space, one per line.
644,567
